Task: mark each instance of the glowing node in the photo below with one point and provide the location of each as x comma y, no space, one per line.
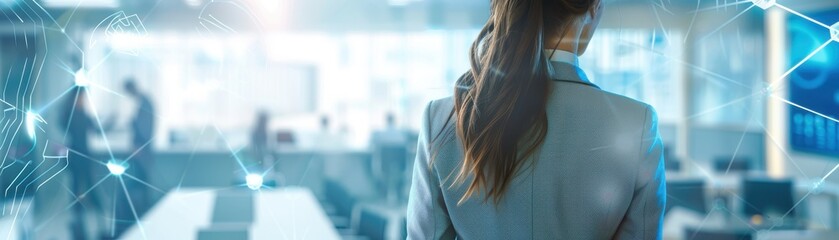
818,186
767,90
834,32
764,4
30,123
116,168
254,181
81,78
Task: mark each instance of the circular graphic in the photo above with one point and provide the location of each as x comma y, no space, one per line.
814,72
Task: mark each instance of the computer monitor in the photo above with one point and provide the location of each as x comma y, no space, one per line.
724,164
689,194
285,137
812,85
768,197
718,234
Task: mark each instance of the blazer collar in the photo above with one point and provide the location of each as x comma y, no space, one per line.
566,72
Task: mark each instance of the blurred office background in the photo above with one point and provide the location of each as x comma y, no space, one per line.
316,104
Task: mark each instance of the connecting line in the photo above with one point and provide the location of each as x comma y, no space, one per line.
53,176
76,200
37,78
215,22
805,109
6,193
101,62
44,10
807,58
138,150
708,72
740,143
692,21
93,84
786,154
133,210
806,195
72,13
245,9
230,148
726,23
274,218
72,112
99,123
87,157
191,157
802,15
737,216
145,183
54,100
662,6
735,101
45,157
720,6
660,23
114,216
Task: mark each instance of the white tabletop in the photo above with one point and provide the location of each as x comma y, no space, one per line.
286,213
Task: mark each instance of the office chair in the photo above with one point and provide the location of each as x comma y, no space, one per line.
372,226
671,163
342,200
768,197
718,234
391,164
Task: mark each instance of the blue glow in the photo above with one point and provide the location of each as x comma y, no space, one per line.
116,168
30,124
254,181
812,84
764,4
81,79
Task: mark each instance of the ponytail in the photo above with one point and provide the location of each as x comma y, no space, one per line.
500,103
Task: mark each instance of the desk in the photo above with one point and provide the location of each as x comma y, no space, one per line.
287,213
797,235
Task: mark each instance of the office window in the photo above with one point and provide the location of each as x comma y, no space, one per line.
643,64
729,73
354,78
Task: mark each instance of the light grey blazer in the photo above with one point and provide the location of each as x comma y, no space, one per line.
598,175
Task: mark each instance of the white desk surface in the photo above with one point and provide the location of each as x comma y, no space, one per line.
286,213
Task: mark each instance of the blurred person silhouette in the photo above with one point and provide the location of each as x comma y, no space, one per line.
259,142
389,150
82,163
327,140
140,161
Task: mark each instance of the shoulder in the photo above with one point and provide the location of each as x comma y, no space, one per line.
441,106
626,106
438,111
627,103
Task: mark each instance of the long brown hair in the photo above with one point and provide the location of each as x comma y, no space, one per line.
500,103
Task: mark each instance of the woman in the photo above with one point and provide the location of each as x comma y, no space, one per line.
528,148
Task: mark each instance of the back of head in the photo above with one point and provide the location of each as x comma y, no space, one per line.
500,104
324,122
390,119
130,85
